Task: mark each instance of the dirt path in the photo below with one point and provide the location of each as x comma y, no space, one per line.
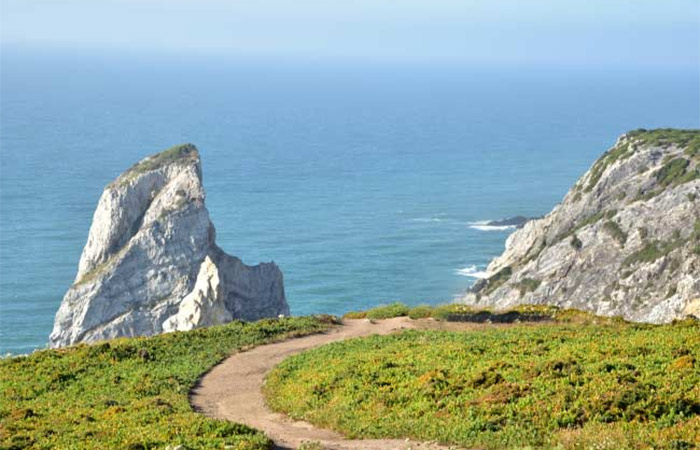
232,390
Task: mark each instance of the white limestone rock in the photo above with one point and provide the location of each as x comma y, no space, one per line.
624,241
151,264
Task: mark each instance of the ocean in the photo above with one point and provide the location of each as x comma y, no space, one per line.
365,184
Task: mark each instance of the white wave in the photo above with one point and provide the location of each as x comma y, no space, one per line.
492,227
471,271
423,219
483,225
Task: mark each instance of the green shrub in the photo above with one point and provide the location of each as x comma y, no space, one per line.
576,242
420,312
590,220
496,280
582,317
528,285
452,310
656,249
663,137
672,172
649,253
396,309
355,315
613,228
647,195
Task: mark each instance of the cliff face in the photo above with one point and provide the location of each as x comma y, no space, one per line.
624,241
151,264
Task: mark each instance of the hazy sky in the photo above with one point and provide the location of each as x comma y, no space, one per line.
569,32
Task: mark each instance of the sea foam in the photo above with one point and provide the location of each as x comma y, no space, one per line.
483,225
471,271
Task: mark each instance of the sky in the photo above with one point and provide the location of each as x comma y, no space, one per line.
663,33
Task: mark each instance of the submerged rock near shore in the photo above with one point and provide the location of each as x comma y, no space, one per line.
624,241
151,264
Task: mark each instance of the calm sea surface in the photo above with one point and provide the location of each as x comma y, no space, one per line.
363,183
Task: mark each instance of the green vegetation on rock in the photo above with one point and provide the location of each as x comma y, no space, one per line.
689,139
613,228
590,220
169,156
618,152
615,386
676,172
497,280
92,274
653,250
663,137
650,252
129,393
576,242
527,285
178,153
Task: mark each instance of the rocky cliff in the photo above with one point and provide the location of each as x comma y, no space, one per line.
624,241
151,264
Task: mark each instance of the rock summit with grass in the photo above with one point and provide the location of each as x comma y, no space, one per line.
624,241
151,264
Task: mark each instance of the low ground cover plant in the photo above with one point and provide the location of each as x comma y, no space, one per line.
455,312
559,385
129,393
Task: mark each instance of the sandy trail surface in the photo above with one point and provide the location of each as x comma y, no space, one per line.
232,389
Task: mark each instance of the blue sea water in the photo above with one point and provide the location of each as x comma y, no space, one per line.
362,183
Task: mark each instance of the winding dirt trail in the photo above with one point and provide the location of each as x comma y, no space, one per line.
232,390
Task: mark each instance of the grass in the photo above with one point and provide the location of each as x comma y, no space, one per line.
129,393
612,386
